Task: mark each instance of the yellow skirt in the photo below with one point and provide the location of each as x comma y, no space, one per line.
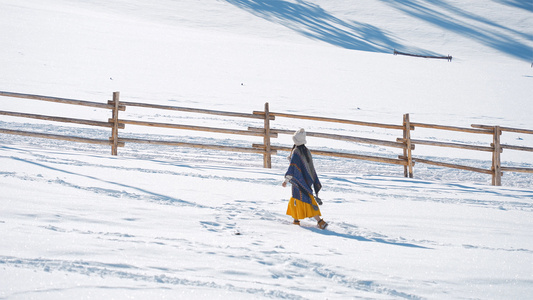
301,210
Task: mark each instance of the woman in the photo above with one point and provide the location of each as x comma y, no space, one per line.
302,175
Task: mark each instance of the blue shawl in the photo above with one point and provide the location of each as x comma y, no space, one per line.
302,175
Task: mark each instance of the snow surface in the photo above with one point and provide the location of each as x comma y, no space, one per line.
164,222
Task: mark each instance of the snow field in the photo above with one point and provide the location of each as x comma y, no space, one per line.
231,234
165,222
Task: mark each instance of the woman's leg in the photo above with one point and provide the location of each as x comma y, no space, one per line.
321,223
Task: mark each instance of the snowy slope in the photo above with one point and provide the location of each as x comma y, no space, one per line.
189,51
172,222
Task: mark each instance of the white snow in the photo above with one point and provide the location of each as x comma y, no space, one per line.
166,222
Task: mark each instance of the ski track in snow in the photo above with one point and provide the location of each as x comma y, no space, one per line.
134,273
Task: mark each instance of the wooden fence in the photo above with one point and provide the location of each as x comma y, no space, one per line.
496,147
406,143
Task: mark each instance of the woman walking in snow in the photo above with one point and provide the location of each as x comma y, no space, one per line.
302,175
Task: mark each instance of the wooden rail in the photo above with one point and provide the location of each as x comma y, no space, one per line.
57,119
195,128
334,137
509,129
406,143
58,100
344,155
192,110
333,120
191,145
452,128
55,137
448,145
452,166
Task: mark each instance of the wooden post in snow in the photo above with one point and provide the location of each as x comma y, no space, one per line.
114,130
407,151
267,157
496,157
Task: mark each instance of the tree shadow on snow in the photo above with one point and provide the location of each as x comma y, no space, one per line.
316,23
476,27
523,4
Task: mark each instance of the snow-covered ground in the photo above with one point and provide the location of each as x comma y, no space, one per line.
170,222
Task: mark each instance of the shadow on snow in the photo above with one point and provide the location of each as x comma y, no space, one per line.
327,231
477,28
314,22
153,195
527,5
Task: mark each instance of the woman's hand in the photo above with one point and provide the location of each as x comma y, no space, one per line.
287,179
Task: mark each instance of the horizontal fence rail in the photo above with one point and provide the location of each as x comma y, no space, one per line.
56,137
194,128
406,143
346,155
275,132
57,119
333,120
192,110
191,145
57,100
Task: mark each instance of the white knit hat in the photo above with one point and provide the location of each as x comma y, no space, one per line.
299,137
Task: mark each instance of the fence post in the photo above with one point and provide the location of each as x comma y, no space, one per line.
496,157
267,156
407,153
114,131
